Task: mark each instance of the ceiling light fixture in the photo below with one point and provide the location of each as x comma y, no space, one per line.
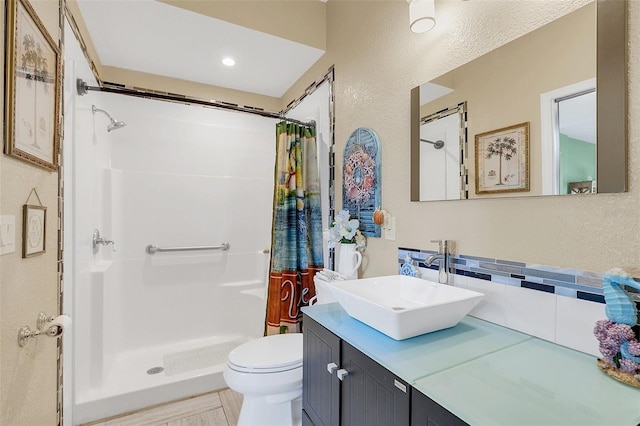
422,15
229,62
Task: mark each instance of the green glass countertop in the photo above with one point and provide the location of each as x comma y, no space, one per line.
533,383
490,375
422,355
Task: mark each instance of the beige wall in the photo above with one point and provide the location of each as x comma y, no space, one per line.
377,62
503,87
189,88
28,286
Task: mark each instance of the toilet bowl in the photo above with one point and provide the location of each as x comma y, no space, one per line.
268,373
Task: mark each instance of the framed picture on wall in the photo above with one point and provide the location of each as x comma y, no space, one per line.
34,224
583,187
502,160
32,88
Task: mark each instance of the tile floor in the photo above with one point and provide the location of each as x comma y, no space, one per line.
211,409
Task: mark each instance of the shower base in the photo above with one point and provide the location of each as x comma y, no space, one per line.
150,376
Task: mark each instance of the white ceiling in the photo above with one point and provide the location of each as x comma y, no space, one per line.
156,38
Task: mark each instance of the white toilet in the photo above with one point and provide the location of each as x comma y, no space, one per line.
268,373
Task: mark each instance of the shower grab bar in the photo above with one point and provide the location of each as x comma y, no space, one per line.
151,249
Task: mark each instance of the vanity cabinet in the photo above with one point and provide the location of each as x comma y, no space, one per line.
342,386
424,411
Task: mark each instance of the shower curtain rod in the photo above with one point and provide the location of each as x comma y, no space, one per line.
82,88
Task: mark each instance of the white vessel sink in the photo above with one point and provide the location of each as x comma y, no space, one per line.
401,306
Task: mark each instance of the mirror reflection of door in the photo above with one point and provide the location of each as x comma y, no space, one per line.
568,135
440,161
577,143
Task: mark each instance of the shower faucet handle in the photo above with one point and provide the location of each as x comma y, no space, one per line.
98,240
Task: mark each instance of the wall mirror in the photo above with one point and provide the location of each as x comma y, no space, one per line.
544,114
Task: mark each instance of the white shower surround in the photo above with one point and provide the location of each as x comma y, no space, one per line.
177,175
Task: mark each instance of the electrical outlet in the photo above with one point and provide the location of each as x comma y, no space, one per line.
390,230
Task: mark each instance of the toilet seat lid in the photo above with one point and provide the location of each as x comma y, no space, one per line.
271,353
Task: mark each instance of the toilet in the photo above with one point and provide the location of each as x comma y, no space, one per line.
268,373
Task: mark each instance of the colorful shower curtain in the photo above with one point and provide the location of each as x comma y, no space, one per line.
296,242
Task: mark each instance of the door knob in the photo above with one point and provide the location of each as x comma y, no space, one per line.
331,367
342,373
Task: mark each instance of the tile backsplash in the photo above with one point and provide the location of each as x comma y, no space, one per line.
549,279
556,304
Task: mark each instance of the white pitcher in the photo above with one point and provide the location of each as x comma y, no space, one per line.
348,259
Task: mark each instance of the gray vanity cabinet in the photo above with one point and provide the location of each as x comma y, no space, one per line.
320,386
342,386
424,411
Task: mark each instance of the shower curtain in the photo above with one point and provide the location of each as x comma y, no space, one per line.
296,243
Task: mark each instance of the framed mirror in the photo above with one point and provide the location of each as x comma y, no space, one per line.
567,88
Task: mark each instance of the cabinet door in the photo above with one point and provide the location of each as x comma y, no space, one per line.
320,388
425,412
371,395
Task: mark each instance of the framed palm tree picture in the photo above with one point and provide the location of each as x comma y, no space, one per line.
32,87
502,160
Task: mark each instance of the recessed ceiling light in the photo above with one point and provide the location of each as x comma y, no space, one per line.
229,62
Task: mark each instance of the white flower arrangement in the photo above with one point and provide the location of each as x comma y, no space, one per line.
345,230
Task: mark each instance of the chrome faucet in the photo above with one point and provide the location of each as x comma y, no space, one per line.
444,260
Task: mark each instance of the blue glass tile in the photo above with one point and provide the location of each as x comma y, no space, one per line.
564,291
408,249
501,268
574,286
472,263
506,280
471,274
532,279
589,281
549,275
536,286
489,272
509,262
589,296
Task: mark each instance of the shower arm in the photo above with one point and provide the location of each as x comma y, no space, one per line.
437,144
95,109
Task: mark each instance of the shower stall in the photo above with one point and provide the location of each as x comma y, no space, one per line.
155,326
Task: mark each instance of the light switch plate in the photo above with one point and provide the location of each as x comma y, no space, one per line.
7,234
390,231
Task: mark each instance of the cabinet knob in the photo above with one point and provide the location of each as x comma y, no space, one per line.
331,367
342,373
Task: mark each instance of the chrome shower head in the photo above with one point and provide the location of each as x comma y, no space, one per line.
113,125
